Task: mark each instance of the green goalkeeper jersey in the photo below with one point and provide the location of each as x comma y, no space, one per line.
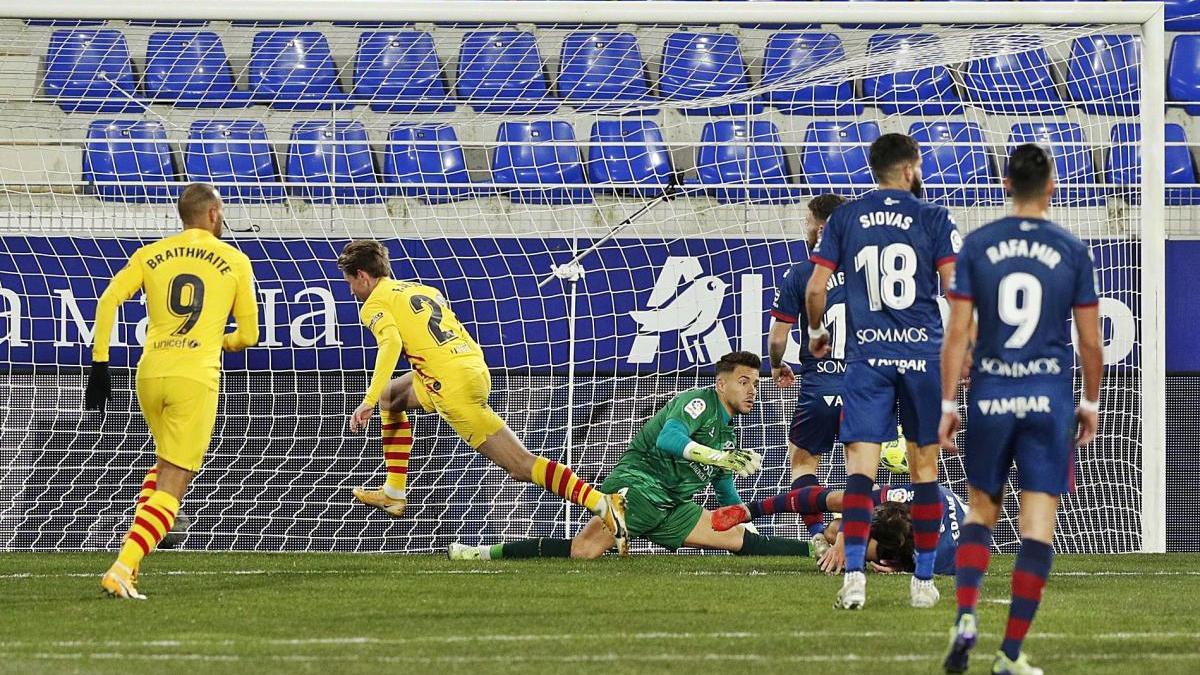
664,478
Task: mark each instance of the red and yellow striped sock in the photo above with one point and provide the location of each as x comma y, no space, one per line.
151,523
397,445
562,481
149,485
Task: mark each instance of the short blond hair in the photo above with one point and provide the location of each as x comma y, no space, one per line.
366,255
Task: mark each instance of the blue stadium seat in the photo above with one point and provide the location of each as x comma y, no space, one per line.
331,152
540,155
293,70
788,57
601,69
1102,75
698,66
1014,81
233,151
920,91
90,71
835,156
1183,15
423,160
1073,164
399,72
744,153
1123,168
629,152
128,154
191,70
1183,73
952,154
500,71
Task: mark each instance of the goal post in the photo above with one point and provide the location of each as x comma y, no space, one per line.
581,360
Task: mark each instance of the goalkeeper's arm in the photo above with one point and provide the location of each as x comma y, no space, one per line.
122,287
674,440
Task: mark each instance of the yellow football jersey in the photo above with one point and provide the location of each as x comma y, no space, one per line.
193,281
430,335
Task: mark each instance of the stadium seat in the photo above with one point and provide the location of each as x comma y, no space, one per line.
736,152
631,153
233,151
1123,168
788,56
954,154
399,72
919,91
1013,81
698,66
293,70
500,71
1183,73
541,155
129,155
425,160
599,70
90,71
325,152
835,156
1183,15
1102,75
191,70
1073,164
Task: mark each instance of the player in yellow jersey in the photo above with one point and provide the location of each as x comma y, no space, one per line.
192,281
449,377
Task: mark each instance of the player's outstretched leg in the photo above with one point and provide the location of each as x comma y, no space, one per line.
591,542
397,440
806,501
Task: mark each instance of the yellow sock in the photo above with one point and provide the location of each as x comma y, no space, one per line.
397,444
562,481
152,522
149,485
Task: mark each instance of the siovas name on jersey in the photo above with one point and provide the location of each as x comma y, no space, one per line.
885,218
1015,405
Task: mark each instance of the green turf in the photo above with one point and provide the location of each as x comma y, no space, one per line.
245,613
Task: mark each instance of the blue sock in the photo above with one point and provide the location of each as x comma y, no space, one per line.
856,519
1028,580
926,513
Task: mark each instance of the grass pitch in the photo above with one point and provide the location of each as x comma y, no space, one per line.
300,613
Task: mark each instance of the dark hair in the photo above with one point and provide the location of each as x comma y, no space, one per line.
891,149
732,360
367,255
822,206
891,528
195,201
1029,169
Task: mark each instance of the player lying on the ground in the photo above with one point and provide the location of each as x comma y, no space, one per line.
1025,278
687,445
449,377
894,531
192,281
819,406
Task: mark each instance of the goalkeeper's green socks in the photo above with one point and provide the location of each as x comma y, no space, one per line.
530,548
757,544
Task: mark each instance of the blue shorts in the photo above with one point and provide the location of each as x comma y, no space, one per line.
815,424
873,393
1032,425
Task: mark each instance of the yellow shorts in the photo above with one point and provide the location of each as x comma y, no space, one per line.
462,401
180,413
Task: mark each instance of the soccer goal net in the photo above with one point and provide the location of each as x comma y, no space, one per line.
497,149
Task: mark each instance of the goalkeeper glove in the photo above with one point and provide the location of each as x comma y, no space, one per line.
99,387
741,462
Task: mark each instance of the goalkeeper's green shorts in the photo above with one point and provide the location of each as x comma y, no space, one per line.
667,526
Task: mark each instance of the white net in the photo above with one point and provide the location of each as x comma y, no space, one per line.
483,155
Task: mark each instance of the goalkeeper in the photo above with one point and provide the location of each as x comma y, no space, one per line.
689,444
449,377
